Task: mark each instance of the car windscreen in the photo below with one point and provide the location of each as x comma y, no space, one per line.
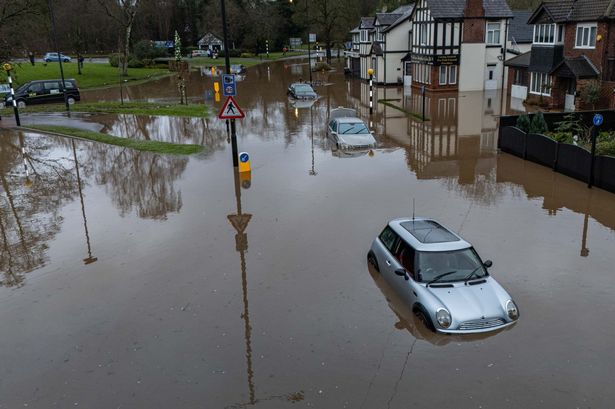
303,89
352,128
461,264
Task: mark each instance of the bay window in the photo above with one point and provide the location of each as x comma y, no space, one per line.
540,83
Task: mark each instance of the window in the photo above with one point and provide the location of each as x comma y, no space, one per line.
560,33
443,74
586,35
388,237
405,256
493,33
422,73
423,40
363,36
452,74
544,34
540,83
333,125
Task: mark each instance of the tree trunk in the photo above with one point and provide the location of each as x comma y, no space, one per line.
126,50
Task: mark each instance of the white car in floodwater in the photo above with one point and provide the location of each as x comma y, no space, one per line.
441,277
348,131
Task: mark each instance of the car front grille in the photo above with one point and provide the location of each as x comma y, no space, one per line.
482,324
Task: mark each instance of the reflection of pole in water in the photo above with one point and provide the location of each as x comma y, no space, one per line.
22,145
89,259
584,249
312,171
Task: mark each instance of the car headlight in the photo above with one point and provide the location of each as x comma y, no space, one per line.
512,310
443,317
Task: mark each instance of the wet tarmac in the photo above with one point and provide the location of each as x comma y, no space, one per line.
125,285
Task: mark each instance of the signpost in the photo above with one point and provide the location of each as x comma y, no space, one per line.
230,110
8,67
597,120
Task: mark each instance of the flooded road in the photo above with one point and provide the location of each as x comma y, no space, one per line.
125,285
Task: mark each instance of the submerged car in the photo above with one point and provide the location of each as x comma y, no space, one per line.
348,131
441,277
238,69
55,57
301,90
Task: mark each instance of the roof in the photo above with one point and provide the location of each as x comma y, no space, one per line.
544,59
425,234
573,10
367,23
355,30
579,68
519,29
341,112
453,9
405,16
386,19
520,61
210,38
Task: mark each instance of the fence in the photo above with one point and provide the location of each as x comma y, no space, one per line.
552,118
571,160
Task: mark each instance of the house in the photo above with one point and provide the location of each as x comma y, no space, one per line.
520,33
572,46
353,61
366,35
211,42
458,45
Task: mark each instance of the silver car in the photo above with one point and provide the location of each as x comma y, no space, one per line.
441,277
348,131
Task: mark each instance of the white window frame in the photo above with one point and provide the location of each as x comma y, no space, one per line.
363,37
443,73
537,80
545,33
585,29
452,74
493,28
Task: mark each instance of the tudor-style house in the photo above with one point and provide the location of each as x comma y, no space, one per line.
458,44
574,43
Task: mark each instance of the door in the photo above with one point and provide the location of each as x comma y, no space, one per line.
491,81
407,74
570,95
36,93
52,92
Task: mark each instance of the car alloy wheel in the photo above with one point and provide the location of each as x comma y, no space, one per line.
21,104
70,100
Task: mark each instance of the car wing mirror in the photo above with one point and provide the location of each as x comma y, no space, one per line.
488,263
402,273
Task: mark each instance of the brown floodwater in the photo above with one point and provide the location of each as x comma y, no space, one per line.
125,285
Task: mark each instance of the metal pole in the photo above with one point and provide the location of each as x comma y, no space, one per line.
227,61
55,43
307,16
371,94
593,159
267,47
423,92
15,110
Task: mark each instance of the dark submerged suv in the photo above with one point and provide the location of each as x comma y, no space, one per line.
44,92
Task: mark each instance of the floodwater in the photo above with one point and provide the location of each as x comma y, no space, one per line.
124,284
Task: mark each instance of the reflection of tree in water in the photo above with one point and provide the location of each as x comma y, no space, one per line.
30,206
139,180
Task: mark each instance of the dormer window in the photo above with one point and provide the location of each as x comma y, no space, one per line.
545,33
363,36
586,35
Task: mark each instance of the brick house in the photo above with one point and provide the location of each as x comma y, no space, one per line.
573,44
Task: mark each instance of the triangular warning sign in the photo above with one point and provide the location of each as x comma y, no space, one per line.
239,221
230,110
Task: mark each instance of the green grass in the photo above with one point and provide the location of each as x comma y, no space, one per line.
136,108
389,103
140,145
248,62
93,75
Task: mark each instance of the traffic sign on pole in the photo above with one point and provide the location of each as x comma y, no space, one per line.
598,119
230,110
229,85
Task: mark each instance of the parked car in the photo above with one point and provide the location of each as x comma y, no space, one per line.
199,53
44,91
54,57
301,90
441,277
238,69
348,131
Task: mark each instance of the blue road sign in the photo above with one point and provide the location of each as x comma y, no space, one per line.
229,86
244,157
598,119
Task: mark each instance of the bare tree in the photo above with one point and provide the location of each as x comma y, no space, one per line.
123,12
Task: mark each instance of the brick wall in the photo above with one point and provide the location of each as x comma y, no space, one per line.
474,30
596,55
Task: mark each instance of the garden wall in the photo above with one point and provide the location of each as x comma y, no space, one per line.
570,160
551,118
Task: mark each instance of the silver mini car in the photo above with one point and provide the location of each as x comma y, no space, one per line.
441,277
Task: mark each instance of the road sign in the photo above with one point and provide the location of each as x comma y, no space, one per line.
239,221
244,157
312,38
598,119
229,85
230,110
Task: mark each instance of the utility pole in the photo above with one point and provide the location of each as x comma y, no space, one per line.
228,71
55,44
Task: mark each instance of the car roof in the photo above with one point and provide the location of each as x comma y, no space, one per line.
341,112
348,119
425,234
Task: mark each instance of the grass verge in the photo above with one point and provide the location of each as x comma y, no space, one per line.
136,108
389,103
93,75
140,145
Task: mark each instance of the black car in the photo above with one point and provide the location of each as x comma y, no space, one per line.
44,92
301,90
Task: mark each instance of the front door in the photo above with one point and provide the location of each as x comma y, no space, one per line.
407,74
570,95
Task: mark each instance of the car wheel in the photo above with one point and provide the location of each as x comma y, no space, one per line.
21,104
70,100
371,259
424,318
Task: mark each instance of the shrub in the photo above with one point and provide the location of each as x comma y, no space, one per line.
606,148
114,60
135,63
144,49
563,137
148,62
246,55
538,124
591,93
523,123
322,66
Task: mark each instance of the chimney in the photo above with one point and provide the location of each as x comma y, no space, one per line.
474,9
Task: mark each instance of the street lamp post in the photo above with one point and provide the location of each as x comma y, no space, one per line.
370,72
307,17
55,41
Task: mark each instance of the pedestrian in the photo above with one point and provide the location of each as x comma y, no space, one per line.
80,60
284,50
31,57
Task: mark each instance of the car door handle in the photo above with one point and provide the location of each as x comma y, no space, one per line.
388,263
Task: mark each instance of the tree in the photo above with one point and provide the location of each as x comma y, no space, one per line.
123,12
13,15
591,93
